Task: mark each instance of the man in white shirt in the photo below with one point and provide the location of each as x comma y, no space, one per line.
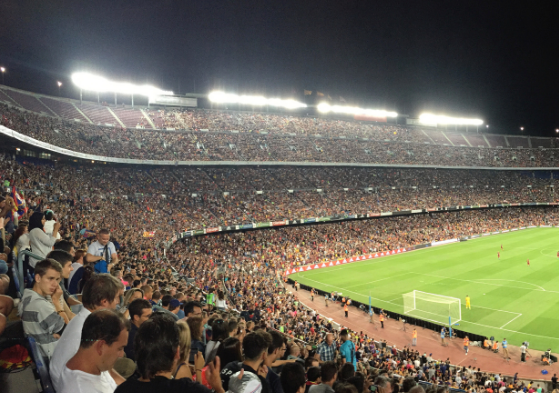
100,292
102,252
104,335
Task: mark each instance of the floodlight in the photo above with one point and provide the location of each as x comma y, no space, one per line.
87,81
221,97
59,83
428,118
2,69
349,110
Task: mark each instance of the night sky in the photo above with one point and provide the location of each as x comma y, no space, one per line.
494,60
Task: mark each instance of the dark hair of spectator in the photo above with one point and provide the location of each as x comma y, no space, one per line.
345,387
328,371
313,374
408,384
79,254
255,343
278,340
103,325
358,381
98,288
65,245
220,330
346,372
195,324
104,232
189,306
137,307
230,351
35,221
43,266
292,377
155,345
60,256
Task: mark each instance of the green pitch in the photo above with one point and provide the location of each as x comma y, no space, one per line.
509,298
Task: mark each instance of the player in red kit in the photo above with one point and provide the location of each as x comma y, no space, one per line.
501,246
499,255
528,261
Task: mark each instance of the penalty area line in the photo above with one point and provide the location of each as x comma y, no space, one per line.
519,315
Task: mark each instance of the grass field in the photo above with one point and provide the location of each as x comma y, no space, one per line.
509,298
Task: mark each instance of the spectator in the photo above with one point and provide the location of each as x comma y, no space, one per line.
65,260
102,252
192,309
100,292
41,243
347,349
196,330
42,319
77,273
139,312
293,378
48,226
221,303
328,375
275,352
327,349
104,335
255,349
183,369
156,346
219,333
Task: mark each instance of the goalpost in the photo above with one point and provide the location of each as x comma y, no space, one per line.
430,306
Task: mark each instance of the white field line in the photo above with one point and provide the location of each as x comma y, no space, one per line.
485,283
463,320
510,321
502,279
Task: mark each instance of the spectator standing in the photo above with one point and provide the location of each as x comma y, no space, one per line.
41,243
43,319
102,252
523,353
327,349
104,335
347,349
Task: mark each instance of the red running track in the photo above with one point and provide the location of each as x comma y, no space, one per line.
428,342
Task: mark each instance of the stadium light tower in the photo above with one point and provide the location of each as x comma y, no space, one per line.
59,84
349,110
99,84
428,118
521,128
2,69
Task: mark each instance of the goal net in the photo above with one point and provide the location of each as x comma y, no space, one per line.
432,307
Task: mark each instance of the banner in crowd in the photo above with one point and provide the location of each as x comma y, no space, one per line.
149,234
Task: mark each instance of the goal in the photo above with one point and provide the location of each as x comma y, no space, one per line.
432,307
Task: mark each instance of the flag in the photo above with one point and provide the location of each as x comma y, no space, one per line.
342,99
308,92
20,207
319,94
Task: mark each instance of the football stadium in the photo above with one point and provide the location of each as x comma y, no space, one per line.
278,198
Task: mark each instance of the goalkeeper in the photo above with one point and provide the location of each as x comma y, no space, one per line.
468,304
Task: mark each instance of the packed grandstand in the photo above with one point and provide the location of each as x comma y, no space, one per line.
211,244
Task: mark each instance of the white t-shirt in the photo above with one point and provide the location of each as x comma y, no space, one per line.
68,346
96,249
49,227
76,381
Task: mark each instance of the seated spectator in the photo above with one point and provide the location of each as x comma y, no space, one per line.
43,319
65,260
293,378
77,273
157,346
129,297
100,292
104,335
328,375
139,311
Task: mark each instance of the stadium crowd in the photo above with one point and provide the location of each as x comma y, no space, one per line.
218,301
236,136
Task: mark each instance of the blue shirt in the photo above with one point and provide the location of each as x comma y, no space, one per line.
347,350
504,343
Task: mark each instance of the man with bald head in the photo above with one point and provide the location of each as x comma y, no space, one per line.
327,349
